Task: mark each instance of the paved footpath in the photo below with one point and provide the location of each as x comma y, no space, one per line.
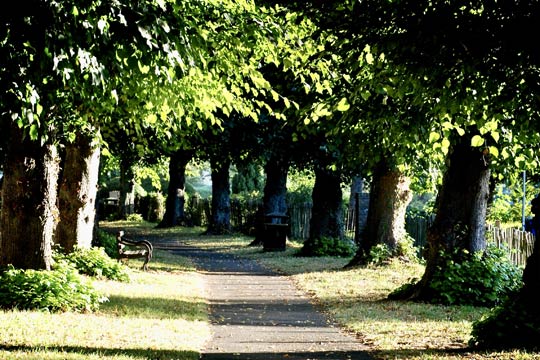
259,315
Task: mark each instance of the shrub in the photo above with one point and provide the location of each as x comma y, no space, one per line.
481,279
60,289
379,254
108,242
156,207
510,325
405,250
326,246
95,262
135,218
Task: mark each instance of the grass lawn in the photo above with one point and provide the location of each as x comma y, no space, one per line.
356,299
160,314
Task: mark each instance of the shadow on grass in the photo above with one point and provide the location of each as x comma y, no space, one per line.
103,352
316,355
462,353
154,308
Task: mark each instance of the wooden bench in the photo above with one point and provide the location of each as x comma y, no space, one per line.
129,249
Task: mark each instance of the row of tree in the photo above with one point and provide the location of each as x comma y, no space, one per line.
386,89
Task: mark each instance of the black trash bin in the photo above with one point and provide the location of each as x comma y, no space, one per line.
275,231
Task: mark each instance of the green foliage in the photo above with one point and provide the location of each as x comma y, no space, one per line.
421,205
481,279
510,325
95,262
156,206
60,289
507,202
135,218
300,187
248,179
328,247
379,254
406,249
107,241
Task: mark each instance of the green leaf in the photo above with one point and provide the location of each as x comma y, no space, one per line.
145,69
434,136
34,132
343,105
445,145
494,151
477,141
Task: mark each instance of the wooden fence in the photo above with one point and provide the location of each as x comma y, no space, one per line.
519,244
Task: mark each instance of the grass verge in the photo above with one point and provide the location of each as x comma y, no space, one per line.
356,299
160,314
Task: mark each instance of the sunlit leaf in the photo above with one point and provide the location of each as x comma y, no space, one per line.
477,141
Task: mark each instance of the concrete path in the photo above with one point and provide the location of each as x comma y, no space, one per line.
258,315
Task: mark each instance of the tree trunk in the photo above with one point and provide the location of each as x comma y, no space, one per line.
174,205
357,187
220,219
127,193
29,212
460,213
77,194
388,200
327,211
275,192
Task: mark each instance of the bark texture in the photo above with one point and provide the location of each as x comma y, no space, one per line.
275,192
77,194
389,197
460,211
29,213
175,202
327,211
220,219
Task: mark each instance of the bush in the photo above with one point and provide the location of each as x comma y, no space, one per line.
481,279
510,325
135,218
156,207
108,242
379,254
328,247
95,262
405,250
60,289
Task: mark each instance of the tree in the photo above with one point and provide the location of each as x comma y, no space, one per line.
79,177
174,206
72,64
389,197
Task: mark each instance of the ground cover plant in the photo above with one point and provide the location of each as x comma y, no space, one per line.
159,314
